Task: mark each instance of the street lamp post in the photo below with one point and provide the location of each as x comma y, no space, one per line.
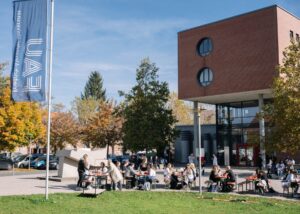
199,146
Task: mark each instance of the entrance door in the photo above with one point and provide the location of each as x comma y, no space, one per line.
246,155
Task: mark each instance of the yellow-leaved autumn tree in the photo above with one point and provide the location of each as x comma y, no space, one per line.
105,127
181,110
65,130
20,123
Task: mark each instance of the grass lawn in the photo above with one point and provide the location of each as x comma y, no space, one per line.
145,202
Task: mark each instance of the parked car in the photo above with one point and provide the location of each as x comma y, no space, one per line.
10,155
25,162
6,163
123,158
40,163
15,155
18,160
120,158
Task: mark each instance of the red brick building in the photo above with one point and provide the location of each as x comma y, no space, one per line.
231,63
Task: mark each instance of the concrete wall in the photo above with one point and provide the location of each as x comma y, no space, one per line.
286,23
68,160
183,144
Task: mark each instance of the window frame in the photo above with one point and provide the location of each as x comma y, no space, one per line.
204,47
205,76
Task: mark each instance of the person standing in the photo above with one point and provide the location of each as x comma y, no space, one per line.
259,162
82,169
215,160
269,168
191,158
115,175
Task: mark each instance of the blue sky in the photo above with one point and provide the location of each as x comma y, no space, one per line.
112,36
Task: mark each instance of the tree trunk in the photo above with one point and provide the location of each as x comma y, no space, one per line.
107,150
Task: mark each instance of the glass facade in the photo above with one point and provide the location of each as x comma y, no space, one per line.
238,133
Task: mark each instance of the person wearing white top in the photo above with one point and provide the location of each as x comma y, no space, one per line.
191,158
167,173
280,168
189,174
151,173
291,181
115,174
215,160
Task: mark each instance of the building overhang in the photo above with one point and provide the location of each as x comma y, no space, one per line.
233,97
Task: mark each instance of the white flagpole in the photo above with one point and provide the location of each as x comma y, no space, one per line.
49,95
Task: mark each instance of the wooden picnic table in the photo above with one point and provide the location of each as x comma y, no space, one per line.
96,177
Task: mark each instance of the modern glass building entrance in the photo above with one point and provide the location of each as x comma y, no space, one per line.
238,133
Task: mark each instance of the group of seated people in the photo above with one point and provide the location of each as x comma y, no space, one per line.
262,185
117,172
182,178
88,174
143,177
221,180
292,179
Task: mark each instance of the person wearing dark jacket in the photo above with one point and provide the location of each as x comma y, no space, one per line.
259,162
262,183
82,168
228,184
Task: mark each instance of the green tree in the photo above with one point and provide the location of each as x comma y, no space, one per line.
283,114
149,123
94,87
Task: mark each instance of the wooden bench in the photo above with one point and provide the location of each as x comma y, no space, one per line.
287,190
208,183
233,184
241,184
128,182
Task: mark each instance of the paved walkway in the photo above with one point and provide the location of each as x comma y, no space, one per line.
30,184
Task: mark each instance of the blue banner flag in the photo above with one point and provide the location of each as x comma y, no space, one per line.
28,74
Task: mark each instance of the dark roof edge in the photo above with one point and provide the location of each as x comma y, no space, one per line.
288,12
243,14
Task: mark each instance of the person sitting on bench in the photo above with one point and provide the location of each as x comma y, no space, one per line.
230,180
262,183
215,178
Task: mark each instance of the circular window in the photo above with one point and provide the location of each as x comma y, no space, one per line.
205,76
204,47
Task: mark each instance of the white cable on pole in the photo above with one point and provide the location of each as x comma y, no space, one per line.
49,95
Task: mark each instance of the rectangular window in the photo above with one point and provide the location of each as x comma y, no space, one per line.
297,37
291,34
